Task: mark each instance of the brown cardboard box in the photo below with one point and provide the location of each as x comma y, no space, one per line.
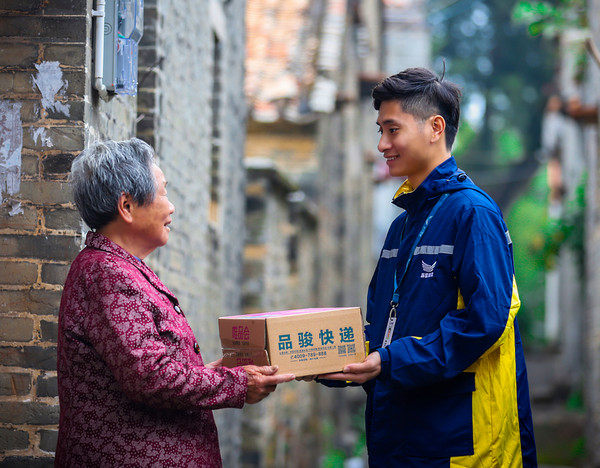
301,341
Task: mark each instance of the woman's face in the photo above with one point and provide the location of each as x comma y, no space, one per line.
151,221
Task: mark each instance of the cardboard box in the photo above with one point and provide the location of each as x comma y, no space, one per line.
301,341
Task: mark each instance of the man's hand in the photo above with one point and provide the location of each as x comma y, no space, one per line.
360,372
262,382
307,378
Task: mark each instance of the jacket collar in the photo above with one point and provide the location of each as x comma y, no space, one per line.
100,242
446,177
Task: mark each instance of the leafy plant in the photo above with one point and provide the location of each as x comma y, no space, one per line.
567,231
551,18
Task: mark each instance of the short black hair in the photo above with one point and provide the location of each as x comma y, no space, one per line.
422,94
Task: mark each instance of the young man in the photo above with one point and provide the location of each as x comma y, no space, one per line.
446,378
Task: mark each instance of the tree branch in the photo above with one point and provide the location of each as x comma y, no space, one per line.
593,50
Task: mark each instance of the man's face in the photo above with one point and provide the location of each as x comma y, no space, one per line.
405,143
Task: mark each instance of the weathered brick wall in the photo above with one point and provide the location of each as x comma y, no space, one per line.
279,274
304,260
48,114
266,194
42,107
193,110
345,186
267,265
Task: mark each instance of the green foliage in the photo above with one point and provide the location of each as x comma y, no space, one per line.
358,422
501,68
551,18
334,458
575,401
579,450
464,138
566,231
510,145
526,220
537,242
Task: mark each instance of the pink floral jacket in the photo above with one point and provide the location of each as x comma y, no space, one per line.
133,389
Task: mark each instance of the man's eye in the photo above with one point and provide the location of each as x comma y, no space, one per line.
393,130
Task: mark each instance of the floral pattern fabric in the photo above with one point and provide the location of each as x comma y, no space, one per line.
133,389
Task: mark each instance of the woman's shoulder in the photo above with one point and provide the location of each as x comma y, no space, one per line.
100,259
94,265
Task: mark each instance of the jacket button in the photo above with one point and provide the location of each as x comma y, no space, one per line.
462,177
177,309
197,348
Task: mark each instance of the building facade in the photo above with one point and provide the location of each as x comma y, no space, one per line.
190,107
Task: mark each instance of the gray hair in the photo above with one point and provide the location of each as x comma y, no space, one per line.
107,169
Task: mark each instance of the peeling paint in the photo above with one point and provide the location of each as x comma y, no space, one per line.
38,134
11,145
49,81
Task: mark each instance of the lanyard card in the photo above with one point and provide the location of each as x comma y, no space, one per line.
389,330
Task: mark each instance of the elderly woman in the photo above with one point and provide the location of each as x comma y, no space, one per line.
133,389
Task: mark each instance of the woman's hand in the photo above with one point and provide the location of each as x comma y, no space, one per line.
359,372
214,364
262,381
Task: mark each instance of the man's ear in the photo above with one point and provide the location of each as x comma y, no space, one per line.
438,125
124,207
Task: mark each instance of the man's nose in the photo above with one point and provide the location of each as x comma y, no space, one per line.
383,144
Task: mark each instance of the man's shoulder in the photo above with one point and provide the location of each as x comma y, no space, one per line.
472,196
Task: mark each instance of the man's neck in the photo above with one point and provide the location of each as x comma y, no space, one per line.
417,180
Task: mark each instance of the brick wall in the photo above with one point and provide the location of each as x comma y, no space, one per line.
279,273
192,109
345,185
42,81
195,118
267,263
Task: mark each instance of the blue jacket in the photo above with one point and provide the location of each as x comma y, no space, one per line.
453,388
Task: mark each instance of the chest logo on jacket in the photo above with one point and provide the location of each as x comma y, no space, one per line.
427,269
